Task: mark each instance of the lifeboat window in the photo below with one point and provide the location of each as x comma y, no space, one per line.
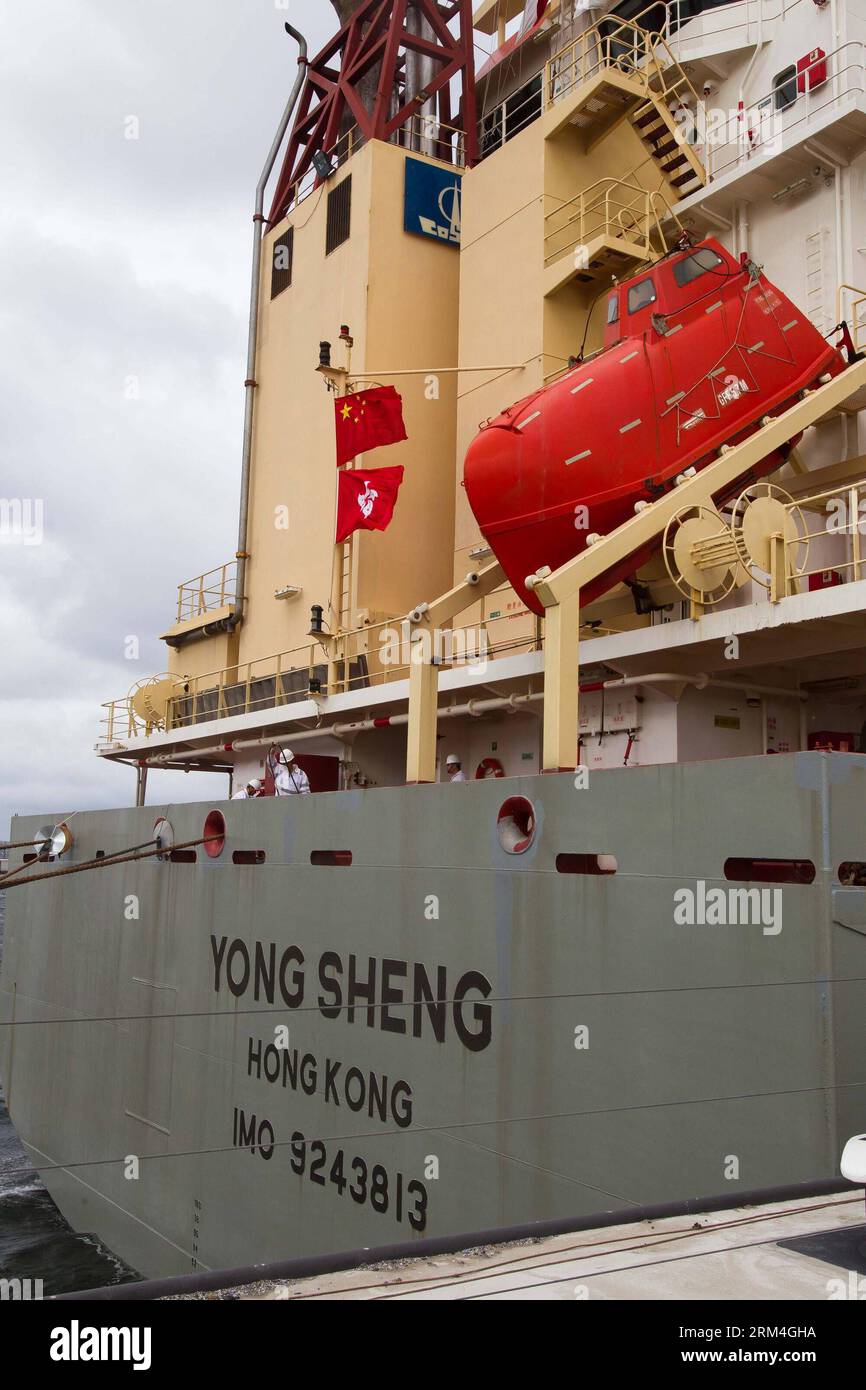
785,88
613,308
640,295
698,263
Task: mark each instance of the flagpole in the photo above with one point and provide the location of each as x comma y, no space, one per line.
384,428
340,555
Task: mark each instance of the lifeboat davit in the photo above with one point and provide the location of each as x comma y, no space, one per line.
698,349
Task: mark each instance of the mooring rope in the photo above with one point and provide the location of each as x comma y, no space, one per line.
41,857
119,857
44,854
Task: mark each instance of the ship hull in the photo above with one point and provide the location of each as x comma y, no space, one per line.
470,1038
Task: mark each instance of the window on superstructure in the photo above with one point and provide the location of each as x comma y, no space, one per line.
613,308
698,263
640,295
339,215
281,266
785,88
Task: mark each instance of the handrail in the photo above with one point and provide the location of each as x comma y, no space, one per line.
606,45
196,596
423,133
850,522
282,678
856,325
601,210
674,32
737,140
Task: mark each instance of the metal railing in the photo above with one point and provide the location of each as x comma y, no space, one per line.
362,659
661,28
855,316
745,18
771,119
845,518
420,133
617,209
623,47
215,589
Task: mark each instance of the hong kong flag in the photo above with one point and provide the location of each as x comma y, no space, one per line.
366,499
367,419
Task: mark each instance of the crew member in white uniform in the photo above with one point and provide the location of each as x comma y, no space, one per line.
453,768
289,779
252,788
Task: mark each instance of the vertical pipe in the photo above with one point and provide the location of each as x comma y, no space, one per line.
252,338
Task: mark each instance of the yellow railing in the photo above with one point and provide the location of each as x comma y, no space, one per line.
844,511
611,208
623,47
215,589
856,318
361,659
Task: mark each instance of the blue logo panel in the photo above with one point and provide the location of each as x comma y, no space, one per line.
431,202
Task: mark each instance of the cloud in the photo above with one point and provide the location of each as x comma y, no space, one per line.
124,276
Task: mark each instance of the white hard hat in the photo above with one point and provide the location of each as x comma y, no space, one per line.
452,758
287,756
255,783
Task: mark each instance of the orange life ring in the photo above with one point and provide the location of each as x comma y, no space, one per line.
489,767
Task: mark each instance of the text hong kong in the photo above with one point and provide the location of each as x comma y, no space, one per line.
396,996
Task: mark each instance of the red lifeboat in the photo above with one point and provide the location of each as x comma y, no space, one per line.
698,349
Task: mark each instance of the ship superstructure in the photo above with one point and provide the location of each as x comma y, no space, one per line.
634,979
601,139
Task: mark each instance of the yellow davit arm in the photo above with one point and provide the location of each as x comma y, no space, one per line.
560,591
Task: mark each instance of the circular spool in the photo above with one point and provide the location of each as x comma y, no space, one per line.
163,833
42,839
688,529
148,699
53,840
761,511
62,840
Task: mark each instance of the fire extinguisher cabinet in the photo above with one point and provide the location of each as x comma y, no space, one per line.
811,70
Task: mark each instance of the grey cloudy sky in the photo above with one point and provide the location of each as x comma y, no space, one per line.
121,259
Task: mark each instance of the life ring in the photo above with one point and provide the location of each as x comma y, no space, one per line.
489,767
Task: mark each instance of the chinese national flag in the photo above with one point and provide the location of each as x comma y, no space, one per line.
367,419
366,499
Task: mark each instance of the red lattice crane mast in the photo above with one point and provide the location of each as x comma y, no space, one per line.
360,79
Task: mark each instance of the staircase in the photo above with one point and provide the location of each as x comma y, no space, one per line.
663,139
616,73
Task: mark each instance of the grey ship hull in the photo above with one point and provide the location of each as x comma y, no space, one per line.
594,1053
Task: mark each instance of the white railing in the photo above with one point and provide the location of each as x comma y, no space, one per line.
733,139
743,22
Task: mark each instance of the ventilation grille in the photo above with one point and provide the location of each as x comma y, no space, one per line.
281,269
339,215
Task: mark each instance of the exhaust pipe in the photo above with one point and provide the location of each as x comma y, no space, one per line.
253,337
